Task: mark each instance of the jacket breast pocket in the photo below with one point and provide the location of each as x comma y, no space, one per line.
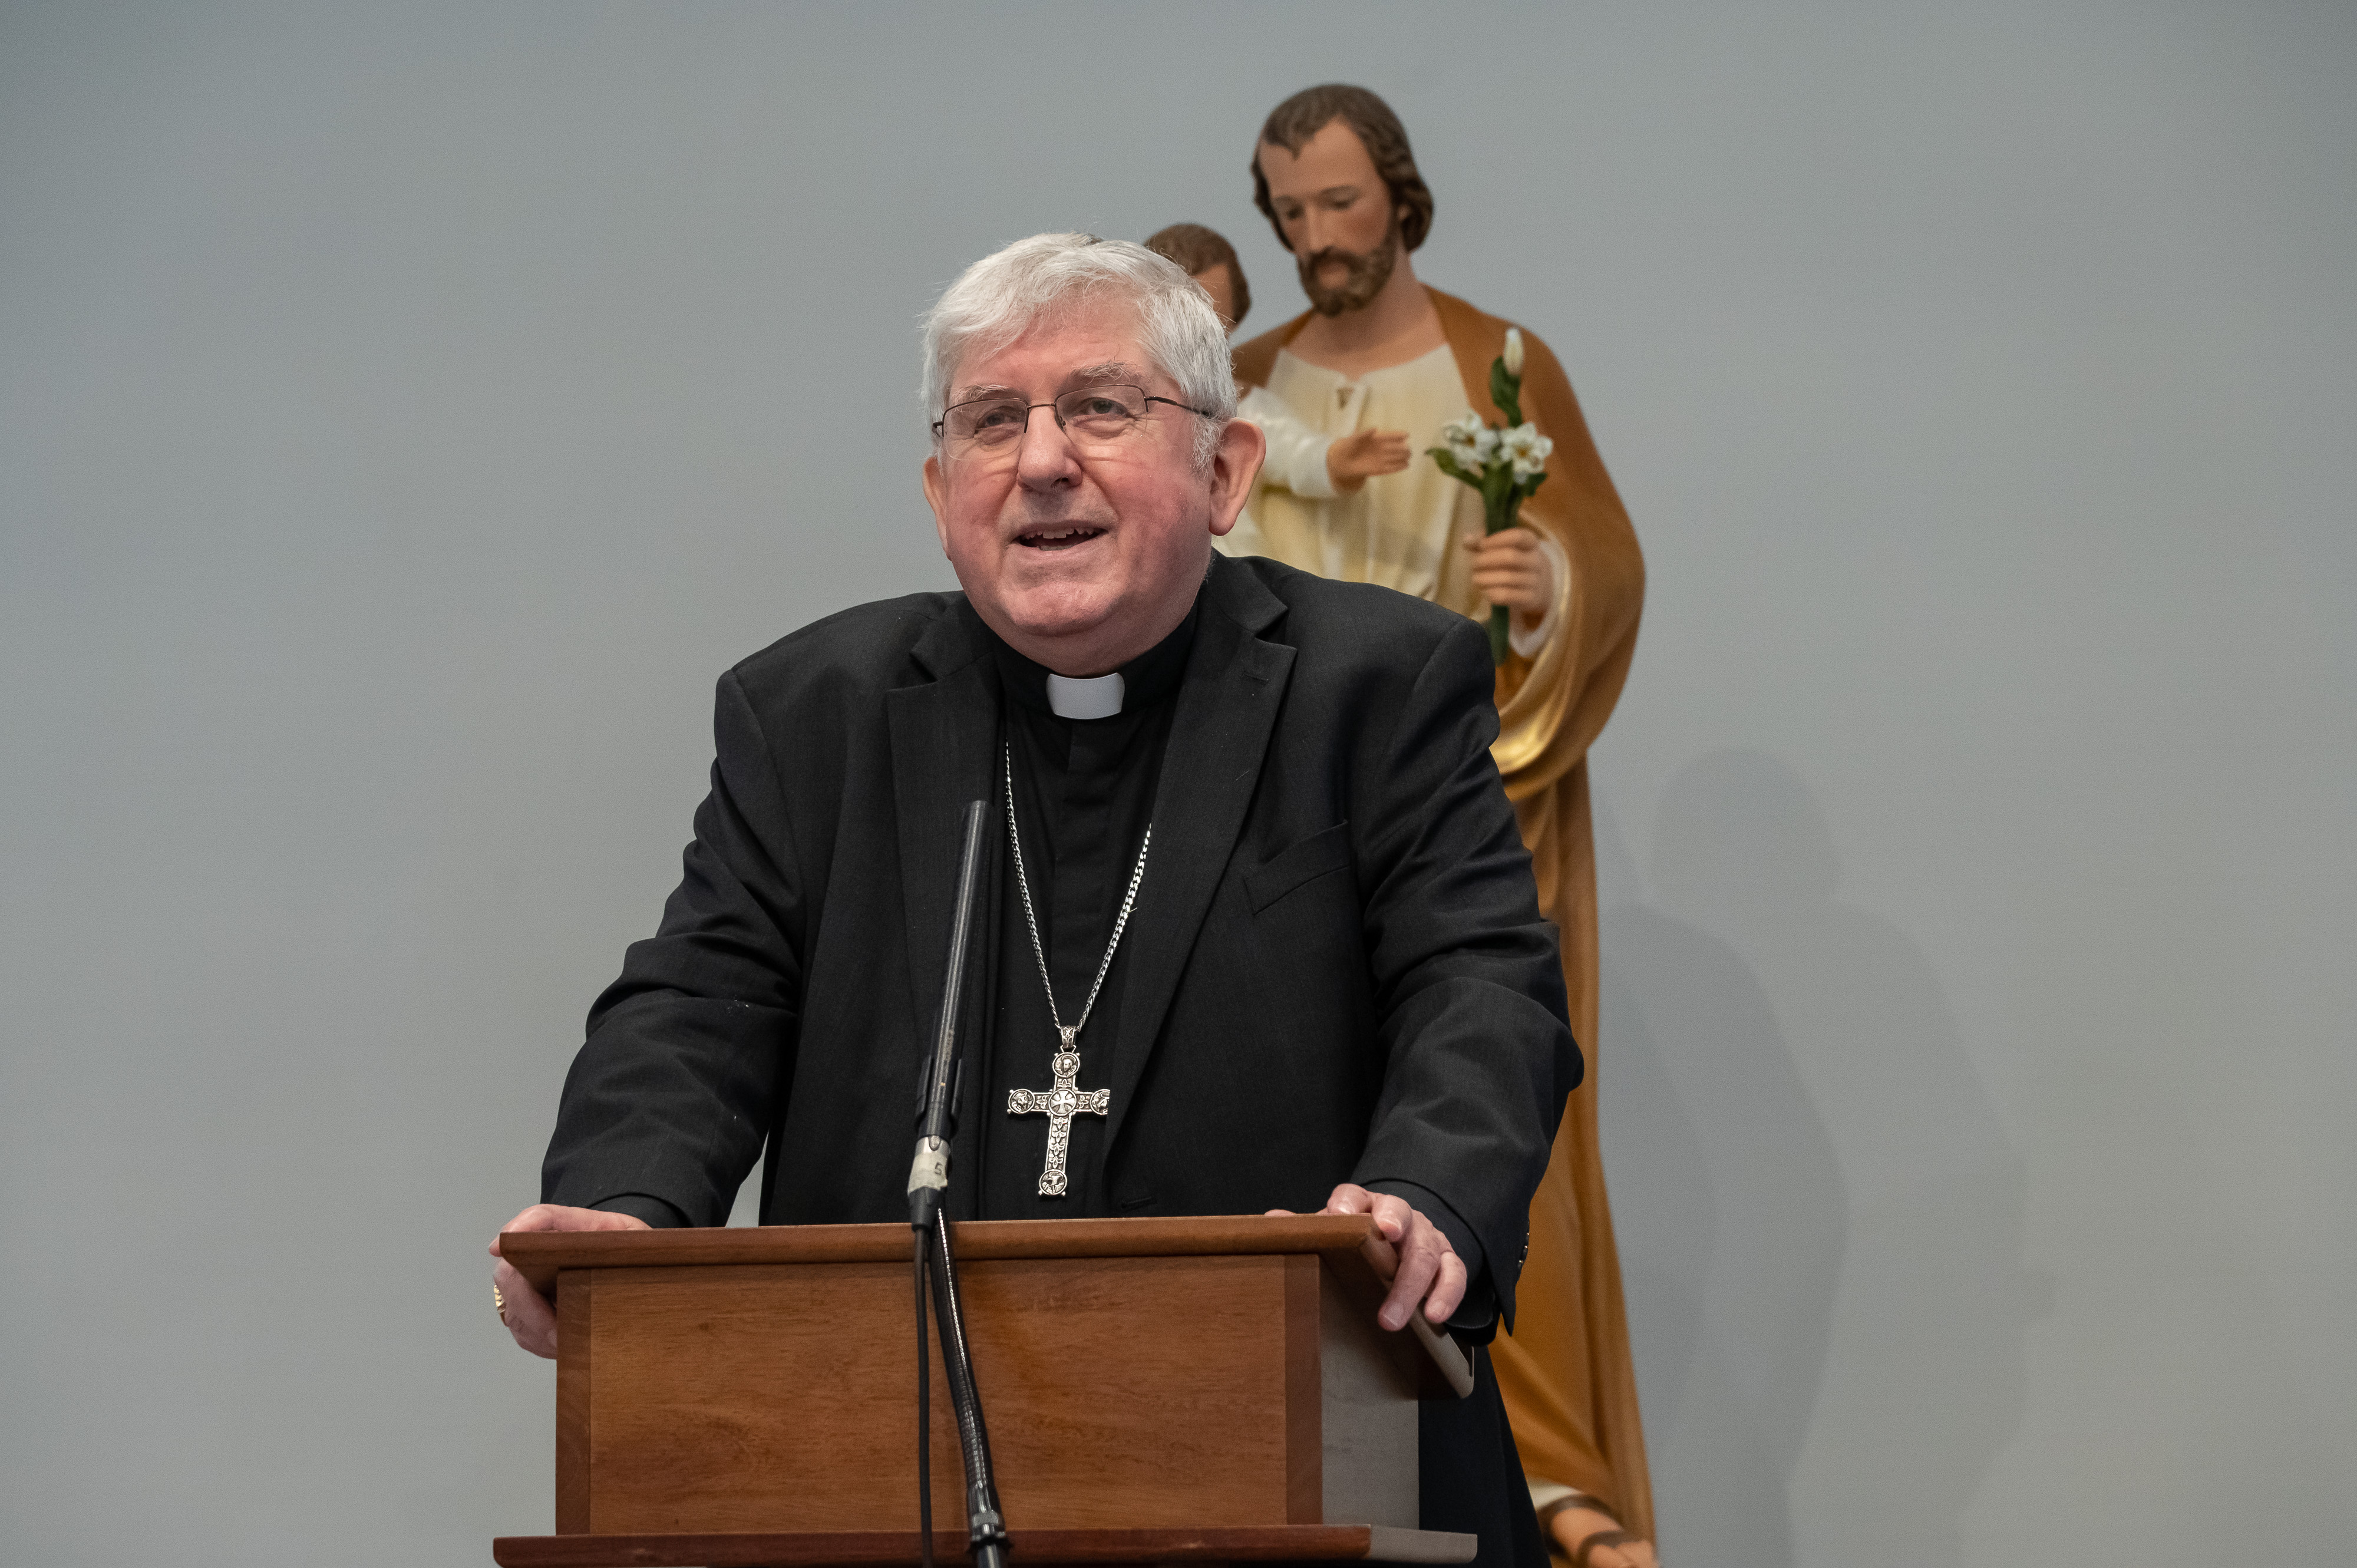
1320,854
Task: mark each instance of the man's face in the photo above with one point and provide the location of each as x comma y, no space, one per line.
1082,558
1337,215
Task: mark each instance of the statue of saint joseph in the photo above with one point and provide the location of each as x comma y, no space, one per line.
1380,352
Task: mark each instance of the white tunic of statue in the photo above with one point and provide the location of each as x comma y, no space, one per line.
1400,530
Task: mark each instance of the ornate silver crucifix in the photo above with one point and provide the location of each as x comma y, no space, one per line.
1059,1105
1066,1099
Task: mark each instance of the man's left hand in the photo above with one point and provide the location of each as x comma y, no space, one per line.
1512,568
1429,1268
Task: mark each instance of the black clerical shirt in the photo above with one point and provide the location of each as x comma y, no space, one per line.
1083,796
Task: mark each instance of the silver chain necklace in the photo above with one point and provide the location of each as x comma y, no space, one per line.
1065,1100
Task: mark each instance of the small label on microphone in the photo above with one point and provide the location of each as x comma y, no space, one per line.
931,1169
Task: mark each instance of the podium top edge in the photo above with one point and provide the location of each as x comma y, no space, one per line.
539,1255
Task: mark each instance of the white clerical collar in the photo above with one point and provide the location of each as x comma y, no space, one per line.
1084,696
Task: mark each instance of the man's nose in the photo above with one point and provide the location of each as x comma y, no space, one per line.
1044,459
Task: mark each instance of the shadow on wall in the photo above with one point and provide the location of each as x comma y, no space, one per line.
1819,1218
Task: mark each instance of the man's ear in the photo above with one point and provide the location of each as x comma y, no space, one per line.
937,496
1235,464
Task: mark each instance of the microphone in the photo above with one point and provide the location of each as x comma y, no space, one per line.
937,1098
929,1180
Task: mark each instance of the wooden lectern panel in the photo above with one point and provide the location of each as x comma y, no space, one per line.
782,1397
750,1395
1357,1257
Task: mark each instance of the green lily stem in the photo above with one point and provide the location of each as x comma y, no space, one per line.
1500,510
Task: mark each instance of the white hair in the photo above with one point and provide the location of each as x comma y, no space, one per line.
1003,296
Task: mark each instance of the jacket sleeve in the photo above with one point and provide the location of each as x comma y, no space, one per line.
1470,996
674,1089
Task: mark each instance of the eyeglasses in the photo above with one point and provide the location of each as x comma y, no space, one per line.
1096,418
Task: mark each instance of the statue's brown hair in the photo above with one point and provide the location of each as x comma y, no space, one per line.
1196,248
1292,123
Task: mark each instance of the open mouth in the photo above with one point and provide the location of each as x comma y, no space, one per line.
1057,538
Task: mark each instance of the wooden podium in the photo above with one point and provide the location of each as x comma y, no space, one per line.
1157,1390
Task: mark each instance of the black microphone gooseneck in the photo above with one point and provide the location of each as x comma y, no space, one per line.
929,1180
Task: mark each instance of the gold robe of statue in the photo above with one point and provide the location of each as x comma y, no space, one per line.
1570,1386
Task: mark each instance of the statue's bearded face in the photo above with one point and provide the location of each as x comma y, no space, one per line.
1361,275
1337,215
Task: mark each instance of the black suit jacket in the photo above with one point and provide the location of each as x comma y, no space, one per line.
1339,967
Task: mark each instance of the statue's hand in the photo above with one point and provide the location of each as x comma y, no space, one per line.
1351,460
1511,568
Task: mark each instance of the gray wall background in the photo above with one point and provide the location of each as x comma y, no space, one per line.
406,411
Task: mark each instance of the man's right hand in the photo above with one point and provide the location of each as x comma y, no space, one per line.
529,1316
1352,459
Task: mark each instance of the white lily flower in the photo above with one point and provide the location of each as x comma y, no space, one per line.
1458,432
1485,445
1525,448
1513,350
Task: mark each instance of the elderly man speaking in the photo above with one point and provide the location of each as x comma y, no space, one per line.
1253,867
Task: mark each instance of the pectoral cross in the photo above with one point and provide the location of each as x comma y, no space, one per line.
1059,1105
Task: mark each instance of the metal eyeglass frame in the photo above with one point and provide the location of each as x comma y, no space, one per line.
940,425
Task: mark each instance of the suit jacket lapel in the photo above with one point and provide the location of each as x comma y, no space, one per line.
942,735
1227,706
